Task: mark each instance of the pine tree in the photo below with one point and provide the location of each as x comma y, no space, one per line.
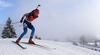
8,31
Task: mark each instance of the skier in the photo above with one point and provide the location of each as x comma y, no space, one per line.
27,24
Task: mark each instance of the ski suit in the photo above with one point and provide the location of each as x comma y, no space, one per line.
29,17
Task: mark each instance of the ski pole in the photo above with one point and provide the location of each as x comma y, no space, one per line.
1,25
15,22
20,25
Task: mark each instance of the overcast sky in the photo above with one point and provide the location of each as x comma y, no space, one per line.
58,19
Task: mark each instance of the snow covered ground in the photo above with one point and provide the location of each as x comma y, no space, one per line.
62,48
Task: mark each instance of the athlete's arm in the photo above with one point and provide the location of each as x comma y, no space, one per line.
23,17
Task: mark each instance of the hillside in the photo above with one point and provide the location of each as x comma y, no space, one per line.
53,48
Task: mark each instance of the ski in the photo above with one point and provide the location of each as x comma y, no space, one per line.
19,45
39,45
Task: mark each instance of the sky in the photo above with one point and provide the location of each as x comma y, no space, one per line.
58,19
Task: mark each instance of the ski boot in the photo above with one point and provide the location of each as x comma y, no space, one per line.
30,41
17,41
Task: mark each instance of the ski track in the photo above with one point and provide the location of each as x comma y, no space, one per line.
7,47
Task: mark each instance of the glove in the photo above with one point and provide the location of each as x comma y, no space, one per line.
21,21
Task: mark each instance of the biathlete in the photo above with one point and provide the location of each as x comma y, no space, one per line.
27,19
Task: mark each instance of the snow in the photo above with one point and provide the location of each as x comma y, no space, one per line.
62,48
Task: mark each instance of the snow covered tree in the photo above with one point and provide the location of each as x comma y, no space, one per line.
75,43
82,40
8,31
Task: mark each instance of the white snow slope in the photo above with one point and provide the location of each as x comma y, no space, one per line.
62,48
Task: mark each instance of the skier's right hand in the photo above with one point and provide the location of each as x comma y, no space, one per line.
21,21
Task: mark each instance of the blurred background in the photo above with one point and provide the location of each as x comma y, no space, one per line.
59,20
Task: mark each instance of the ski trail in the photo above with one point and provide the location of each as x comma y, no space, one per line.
38,50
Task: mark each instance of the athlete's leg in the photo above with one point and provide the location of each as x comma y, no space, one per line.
32,33
25,31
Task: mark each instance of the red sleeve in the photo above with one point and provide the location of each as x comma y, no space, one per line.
23,17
